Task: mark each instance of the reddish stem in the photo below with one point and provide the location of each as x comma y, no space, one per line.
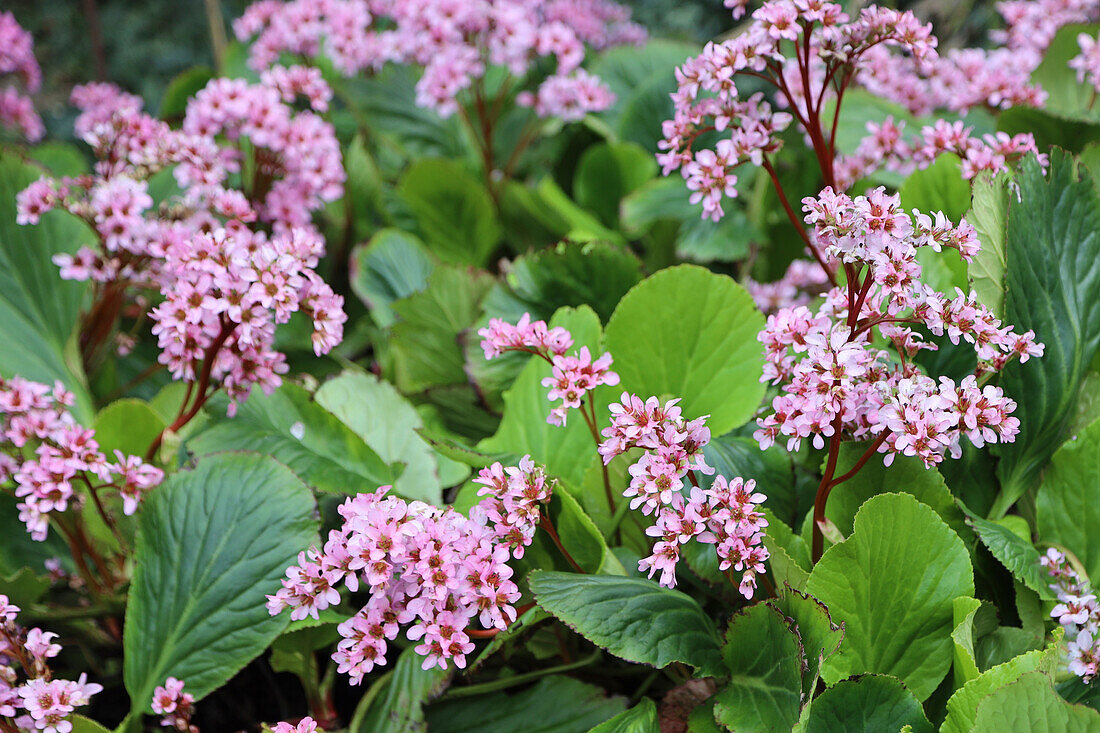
548,525
798,222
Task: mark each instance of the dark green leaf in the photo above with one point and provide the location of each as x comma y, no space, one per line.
869,704
609,171
819,635
1014,552
400,706
642,718
1066,507
391,266
183,86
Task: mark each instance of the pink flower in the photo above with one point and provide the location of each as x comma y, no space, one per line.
305,725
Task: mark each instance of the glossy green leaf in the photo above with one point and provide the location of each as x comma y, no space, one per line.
607,172
893,583
184,85
399,708
1066,507
689,333
771,469
1053,288
386,422
579,224
212,542
391,266
565,450
965,664
39,311
453,211
1031,704
820,637
425,340
556,704
988,215
763,659
1014,552
289,426
642,718
580,536
867,704
962,706
127,425
85,725
632,618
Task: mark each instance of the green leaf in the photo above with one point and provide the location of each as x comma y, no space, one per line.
24,587
771,469
989,215
400,706
289,426
820,637
962,706
939,187
183,86
609,171
1014,552
59,158
386,422
1066,96
965,664
1053,287
392,265
1066,507
85,725
580,536
212,542
556,704
565,450
893,583
453,211
1031,704
642,718
425,340
39,311
870,703
906,474
764,659
689,333
17,549
127,425
632,618
578,223
561,275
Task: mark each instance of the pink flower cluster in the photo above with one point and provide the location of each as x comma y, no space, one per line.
724,515
801,283
886,147
1087,63
573,376
432,569
17,63
40,702
305,725
1079,614
1032,24
48,456
174,705
230,289
455,43
835,379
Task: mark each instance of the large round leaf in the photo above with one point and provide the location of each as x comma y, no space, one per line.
868,704
212,542
893,584
689,333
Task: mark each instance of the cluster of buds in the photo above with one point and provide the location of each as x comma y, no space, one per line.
834,378
18,68
724,515
431,569
48,456
1078,612
31,698
573,376
455,44
174,706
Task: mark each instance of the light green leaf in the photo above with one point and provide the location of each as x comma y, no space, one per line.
556,704
642,718
85,725
868,704
400,706
128,425
1053,287
939,187
392,265
289,426
453,211
386,422
893,583
764,659
39,312
425,340
965,665
689,333
962,706
1031,704
607,172
1066,507
1066,96
565,450
212,542
578,223
989,215
632,618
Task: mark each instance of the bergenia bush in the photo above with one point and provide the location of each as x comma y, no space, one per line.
505,365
